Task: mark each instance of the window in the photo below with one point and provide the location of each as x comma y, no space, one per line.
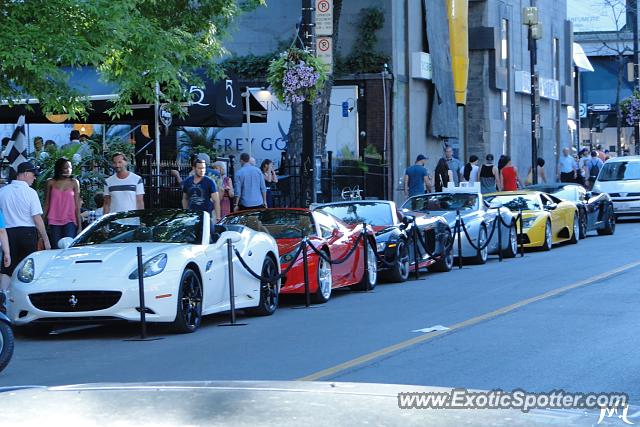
504,43
556,59
504,95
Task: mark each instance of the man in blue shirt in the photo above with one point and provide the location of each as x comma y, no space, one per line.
249,186
416,178
199,192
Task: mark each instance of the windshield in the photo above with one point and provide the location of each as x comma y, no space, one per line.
280,223
442,202
516,202
566,193
620,171
162,226
378,214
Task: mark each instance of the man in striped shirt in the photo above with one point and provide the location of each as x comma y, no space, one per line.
124,190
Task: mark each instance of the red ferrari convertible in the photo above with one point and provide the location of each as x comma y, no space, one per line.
328,234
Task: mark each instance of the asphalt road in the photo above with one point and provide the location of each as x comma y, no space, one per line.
561,319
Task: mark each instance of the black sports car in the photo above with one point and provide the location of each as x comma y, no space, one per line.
394,236
596,209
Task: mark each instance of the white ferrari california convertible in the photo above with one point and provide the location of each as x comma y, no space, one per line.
94,278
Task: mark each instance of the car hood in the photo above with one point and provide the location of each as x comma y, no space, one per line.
617,186
287,245
98,260
274,403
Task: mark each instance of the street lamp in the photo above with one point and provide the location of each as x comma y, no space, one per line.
530,19
246,95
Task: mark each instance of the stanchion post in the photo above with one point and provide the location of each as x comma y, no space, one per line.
365,257
305,265
232,296
143,308
499,222
459,232
416,261
520,234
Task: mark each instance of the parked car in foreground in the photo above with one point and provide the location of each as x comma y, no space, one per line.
394,234
620,178
478,218
326,233
94,279
546,219
595,209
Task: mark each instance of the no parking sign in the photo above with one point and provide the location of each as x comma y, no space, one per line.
324,51
324,17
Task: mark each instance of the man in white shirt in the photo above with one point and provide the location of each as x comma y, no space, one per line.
23,218
124,190
567,167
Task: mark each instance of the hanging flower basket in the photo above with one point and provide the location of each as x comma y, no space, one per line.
296,76
630,108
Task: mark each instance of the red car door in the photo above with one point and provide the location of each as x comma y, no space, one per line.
340,239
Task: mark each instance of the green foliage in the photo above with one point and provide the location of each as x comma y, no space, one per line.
250,67
199,140
364,58
133,43
347,159
372,152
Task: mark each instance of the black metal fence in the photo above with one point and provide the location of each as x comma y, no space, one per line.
338,179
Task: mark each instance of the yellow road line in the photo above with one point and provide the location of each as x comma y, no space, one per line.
469,322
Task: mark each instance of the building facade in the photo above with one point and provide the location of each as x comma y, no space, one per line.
605,33
457,75
498,114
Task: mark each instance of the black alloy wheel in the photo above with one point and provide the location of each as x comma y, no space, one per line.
269,292
6,345
189,311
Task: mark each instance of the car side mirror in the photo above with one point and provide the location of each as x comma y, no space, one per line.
495,205
65,242
550,206
588,195
335,233
233,235
406,220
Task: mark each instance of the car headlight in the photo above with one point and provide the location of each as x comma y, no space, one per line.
288,257
528,222
152,267
27,271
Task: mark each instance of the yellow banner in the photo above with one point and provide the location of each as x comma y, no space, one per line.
459,44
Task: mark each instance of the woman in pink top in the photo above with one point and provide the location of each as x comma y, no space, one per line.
62,203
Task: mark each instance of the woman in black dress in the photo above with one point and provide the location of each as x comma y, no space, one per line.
442,175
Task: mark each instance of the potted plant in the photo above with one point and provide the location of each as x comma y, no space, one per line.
297,75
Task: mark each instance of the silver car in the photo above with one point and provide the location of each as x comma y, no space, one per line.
478,218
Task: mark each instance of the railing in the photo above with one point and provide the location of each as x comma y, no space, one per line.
337,177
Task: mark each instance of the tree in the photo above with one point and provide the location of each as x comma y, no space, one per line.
132,43
322,108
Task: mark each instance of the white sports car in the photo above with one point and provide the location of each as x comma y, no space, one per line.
95,278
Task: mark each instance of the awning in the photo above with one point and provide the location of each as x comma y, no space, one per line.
217,104
580,58
259,100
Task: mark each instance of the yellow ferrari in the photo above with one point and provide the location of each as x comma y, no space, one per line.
546,220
